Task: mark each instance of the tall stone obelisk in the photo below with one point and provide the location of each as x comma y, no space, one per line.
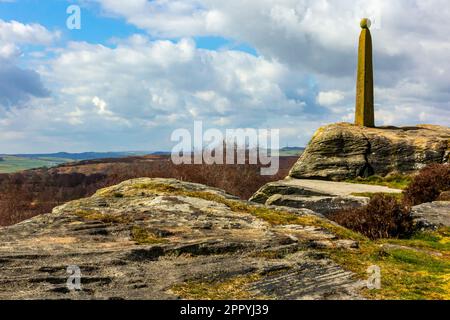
365,114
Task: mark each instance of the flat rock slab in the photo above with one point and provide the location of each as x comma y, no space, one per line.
324,197
336,188
144,237
432,215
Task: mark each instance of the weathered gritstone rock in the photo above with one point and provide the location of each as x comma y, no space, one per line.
432,215
344,151
310,281
143,237
324,197
324,205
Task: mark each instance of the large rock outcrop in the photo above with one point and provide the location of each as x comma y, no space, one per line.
150,238
345,151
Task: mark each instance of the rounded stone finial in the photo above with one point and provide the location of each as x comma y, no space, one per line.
366,23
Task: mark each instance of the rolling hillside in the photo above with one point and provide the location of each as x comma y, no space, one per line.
10,164
20,162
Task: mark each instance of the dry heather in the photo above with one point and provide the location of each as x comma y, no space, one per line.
30,193
388,216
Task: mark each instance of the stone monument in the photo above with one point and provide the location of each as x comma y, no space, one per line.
365,115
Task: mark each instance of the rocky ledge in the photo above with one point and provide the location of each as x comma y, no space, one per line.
324,197
163,239
345,151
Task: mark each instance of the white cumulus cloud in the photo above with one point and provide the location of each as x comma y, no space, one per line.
134,93
330,98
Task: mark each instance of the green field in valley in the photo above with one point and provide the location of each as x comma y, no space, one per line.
9,164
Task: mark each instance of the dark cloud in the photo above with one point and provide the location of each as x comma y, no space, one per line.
18,85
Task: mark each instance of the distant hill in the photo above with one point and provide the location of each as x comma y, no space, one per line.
291,151
84,155
19,162
161,153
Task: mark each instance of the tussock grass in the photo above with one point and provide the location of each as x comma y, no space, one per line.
142,236
94,215
230,289
396,181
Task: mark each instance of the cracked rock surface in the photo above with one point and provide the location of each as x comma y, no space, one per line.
345,151
143,237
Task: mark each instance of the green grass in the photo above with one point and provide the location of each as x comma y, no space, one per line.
412,269
396,181
11,164
398,196
434,241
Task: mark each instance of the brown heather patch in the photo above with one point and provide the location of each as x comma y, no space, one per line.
30,193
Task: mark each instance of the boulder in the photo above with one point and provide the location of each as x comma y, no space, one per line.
431,216
444,196
344,151
146,238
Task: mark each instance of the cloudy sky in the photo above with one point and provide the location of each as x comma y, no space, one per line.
138,69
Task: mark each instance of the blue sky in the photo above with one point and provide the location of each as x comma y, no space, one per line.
97,26
138,70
